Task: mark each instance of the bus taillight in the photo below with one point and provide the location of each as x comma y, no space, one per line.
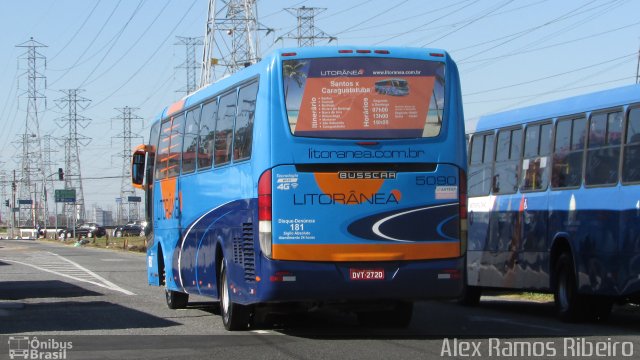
462,196
264,212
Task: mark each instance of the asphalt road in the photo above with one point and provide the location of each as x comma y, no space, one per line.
95,302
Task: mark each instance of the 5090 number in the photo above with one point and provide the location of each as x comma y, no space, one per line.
439,180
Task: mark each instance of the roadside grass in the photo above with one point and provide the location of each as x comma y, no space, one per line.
529,296
129,243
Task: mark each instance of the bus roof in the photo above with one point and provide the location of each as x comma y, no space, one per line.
569,106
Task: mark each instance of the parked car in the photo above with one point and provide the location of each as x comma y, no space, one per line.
134,228
84,230
62,233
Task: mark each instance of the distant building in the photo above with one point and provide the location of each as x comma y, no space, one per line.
101,217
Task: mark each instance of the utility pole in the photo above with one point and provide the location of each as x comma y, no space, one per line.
3,194
13,205
47,181
72,143
306,32
31,158
190,63
127,117
236,32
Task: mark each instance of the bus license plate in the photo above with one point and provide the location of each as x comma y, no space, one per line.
366,274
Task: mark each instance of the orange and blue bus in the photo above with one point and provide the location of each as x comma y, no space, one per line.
554,202
294,182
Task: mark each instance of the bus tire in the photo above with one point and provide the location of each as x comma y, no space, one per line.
470,295
398,317
176,299
234,316
569,304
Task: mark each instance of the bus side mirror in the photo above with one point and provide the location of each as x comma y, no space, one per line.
137,168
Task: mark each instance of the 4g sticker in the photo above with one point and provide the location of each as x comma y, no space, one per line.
287,182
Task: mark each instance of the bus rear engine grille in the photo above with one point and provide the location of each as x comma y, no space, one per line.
243,253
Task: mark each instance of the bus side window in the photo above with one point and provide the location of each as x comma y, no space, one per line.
162,157
244,122
480,166
631,164
223,137
205,137
506,172
567,153
175,146
535,174
603,154
190,143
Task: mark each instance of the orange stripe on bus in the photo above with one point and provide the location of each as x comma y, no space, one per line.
365,252
175,107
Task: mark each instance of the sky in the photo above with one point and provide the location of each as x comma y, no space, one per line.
510,53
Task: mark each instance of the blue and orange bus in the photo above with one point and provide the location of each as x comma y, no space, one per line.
554,202
294,181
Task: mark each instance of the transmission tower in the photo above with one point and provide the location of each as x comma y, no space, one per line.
306,33
72,143
190,63
231,39
127,117
31,159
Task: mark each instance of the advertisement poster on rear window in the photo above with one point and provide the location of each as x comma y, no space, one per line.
364,97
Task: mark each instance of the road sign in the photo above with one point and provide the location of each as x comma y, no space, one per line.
134,199
25,201
66,196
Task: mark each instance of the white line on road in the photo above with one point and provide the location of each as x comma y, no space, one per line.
104,281
72,270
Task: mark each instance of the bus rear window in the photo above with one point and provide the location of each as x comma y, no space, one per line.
364,98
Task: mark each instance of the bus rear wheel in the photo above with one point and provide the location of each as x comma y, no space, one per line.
570,306
234,316
176,299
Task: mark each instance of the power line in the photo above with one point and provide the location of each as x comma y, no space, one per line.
153,54
127,52
427,23
113,42
530,50
549,76
86,20
484,101
472,21
104,25
547,37
383,12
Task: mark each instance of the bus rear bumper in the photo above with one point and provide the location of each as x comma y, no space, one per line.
291,281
